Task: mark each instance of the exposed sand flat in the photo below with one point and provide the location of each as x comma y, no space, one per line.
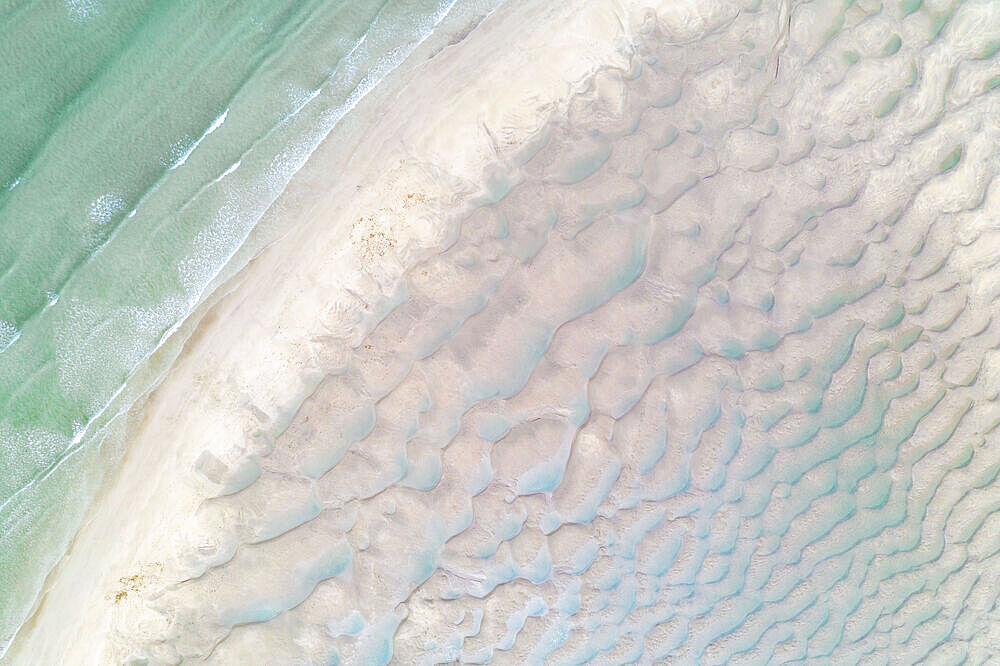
632,334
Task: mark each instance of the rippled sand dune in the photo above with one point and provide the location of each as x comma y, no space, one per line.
638,335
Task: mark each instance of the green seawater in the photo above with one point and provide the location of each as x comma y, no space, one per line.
140,143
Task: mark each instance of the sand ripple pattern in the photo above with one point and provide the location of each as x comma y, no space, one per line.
710,379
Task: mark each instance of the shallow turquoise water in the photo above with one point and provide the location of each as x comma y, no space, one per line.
141,143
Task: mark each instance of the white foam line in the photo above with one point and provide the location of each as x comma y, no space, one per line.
216,124
312,95
228,171
11,341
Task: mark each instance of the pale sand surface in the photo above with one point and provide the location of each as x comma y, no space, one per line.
689,361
